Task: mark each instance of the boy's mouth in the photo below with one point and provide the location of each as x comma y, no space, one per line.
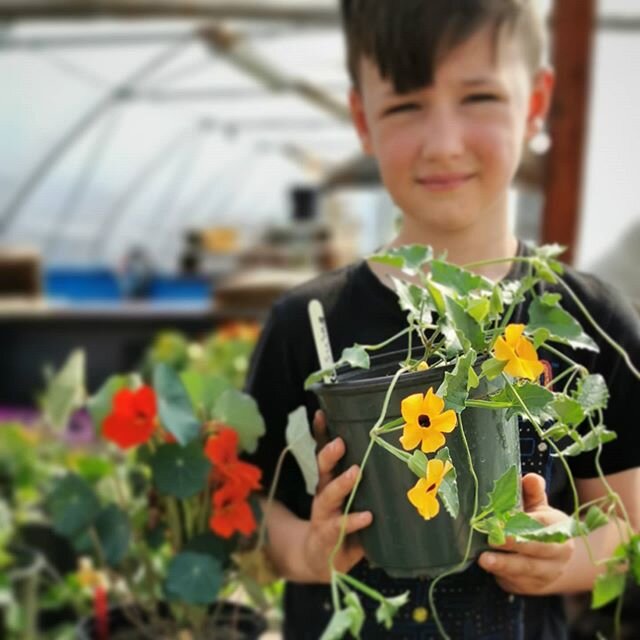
444,181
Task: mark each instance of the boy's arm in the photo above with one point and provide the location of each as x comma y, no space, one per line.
539,568
300,549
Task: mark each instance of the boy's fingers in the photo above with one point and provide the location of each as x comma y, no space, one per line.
320,429
533,492
331,498
327,458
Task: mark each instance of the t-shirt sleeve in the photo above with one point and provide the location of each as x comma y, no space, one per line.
621,414
273,383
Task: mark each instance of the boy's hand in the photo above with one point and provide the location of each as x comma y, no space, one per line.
327,510
530,568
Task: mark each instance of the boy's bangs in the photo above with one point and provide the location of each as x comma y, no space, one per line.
407,45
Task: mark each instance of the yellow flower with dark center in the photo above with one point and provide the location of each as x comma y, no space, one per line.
425,421
520,354
423,496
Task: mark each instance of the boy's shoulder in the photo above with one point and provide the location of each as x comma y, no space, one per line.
330,288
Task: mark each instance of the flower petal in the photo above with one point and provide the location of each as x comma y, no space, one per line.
502,351
411,436
526,350
432,404
432,440
418,495
512,334
411,407
431,507
445,422
517,369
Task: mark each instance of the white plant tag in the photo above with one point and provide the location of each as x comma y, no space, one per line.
321,336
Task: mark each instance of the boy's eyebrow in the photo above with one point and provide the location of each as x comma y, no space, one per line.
479,80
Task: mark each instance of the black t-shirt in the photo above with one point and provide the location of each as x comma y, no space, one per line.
359,308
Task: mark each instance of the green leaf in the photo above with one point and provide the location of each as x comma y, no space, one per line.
318,376
568,411
94,468
560,325
174,405
303,447
65,393
448,490
469,331
437,297
114,531
478,309
193,578
497,304
356,356
607,588
492,368
413,299
73,505
338,626
536,398
495,529
540,336
474,381
455,386
356,613
557,532
417,463
240,411
549,251
550,299
589,442
100,404
212,545
595,518
520,524
180,471
204,390
504,495
410,258
389,607
461,280
592,393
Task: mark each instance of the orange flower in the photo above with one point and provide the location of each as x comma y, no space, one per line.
231,513
425,421
423,495
133,418
222,451
248,331
520,354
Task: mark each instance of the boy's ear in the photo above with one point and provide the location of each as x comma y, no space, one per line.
540,100
360,121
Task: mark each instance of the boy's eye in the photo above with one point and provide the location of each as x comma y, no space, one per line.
399,108
481,97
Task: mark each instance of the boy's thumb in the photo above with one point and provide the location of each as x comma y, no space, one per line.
533,492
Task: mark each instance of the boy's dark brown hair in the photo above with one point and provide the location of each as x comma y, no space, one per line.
407,38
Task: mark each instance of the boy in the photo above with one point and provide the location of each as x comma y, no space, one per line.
445,94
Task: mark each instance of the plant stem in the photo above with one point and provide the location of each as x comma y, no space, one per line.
365,458
272,490
382,345
356,584
394,451
610,341
484,263
488,404
552,444
461,566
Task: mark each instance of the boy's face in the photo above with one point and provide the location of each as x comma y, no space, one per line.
448,152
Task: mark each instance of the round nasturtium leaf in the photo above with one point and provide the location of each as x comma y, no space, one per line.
114,530
180,471
73,505
194,578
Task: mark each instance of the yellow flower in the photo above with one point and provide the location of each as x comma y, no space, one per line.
522,359
423,495
90,578
425,421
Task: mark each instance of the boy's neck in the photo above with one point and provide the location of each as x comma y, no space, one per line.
464,247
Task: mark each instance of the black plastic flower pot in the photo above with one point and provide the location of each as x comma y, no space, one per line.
227,621
399,540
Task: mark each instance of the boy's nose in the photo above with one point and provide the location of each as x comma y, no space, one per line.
441,135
